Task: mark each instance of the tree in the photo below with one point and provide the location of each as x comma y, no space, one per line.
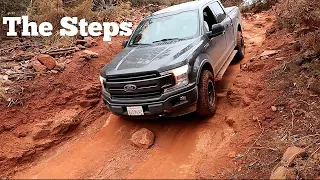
11,8
102,4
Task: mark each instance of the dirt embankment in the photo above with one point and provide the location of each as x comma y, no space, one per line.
40,113
79,138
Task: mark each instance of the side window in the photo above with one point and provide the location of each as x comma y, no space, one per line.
209,19
217,9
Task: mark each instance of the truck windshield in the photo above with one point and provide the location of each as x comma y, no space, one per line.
178,26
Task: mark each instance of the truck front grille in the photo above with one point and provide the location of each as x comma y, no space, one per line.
148,85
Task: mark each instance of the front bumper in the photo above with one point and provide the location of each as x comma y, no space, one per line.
174,103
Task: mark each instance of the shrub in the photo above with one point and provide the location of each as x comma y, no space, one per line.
303,18
298,13
115,12
58,41
81,10
257,6
11,8
47,11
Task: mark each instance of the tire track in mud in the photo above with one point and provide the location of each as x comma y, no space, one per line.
185,147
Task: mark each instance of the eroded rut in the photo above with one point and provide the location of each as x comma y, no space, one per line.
185,147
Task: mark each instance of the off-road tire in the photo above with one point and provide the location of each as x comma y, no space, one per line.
206,106
240,47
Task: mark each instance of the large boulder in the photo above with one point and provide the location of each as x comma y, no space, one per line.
37,66
47,61
143,138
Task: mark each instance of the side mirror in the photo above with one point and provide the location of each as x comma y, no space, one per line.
217,29
124,43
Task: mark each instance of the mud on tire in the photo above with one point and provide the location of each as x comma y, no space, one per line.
240,47
207,99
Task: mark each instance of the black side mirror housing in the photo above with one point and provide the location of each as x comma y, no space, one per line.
124,43
217,29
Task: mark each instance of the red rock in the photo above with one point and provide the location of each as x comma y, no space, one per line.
37,66
81,47
274,108
89,42
143,138
64,120
229,121
47,61
269,53
39,133
20,53
91,54
89,103
80,41
44,144
54,71
94,90
60,66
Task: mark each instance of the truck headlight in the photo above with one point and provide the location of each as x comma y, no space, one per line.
102,80
181,77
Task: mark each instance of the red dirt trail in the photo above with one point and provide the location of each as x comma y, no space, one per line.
185,147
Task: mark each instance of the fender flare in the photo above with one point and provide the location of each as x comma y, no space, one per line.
201,61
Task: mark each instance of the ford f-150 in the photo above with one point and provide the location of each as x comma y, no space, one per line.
171,62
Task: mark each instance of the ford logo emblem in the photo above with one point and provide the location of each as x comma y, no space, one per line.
130,88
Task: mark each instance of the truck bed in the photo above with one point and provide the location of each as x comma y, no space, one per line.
230,9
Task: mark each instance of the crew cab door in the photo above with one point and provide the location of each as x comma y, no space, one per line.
226,21
216,46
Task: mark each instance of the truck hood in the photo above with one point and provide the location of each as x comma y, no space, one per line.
159,57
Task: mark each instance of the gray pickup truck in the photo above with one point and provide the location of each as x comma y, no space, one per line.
171,62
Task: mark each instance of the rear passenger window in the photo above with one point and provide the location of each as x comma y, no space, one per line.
209,19
217,9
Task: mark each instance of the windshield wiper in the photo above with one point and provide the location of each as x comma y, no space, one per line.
140,44
167,39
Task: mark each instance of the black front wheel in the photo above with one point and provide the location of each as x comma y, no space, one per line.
207,100
240,47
